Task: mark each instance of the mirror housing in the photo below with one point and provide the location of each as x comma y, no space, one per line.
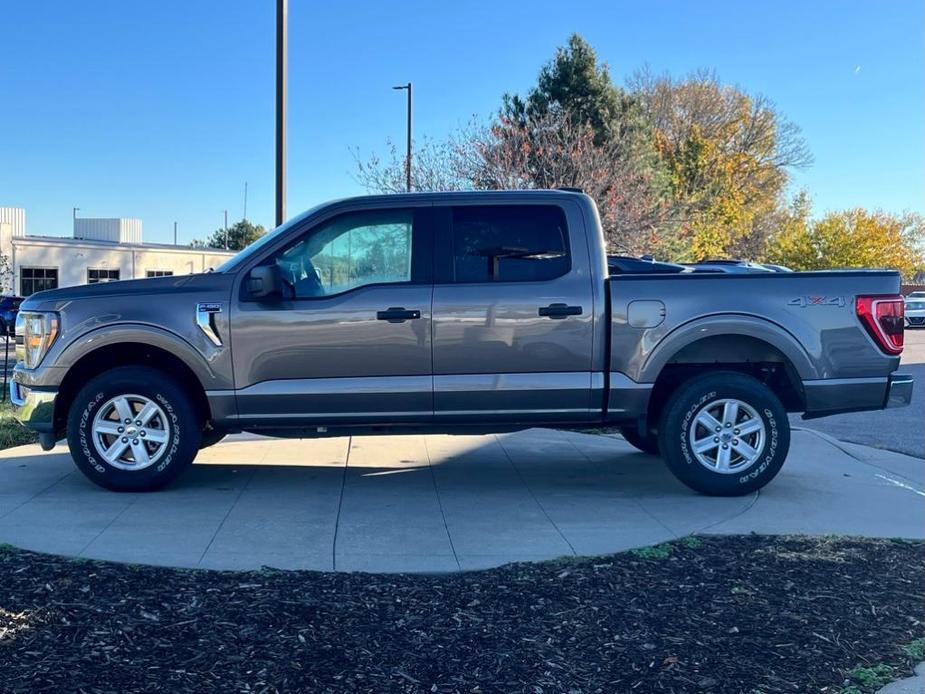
264,282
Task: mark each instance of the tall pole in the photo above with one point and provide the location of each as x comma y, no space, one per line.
282,21
245,201
408,141
408,156
226,230
174,233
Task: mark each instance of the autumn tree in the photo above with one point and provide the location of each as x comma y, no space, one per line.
729,154
853,238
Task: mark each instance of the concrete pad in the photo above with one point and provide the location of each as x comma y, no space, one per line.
909,685
439,503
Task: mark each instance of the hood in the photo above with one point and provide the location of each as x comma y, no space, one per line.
206,282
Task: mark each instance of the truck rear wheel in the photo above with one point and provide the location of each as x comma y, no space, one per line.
133,429
724,434
646,444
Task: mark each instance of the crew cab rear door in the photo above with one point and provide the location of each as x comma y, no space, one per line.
513,315
350,340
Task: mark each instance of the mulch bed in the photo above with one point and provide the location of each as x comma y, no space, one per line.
734,614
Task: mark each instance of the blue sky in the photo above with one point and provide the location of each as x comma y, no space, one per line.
162,109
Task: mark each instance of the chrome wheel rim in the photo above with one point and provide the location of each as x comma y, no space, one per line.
727,436
130,432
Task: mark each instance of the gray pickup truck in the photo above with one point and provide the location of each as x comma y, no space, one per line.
453,312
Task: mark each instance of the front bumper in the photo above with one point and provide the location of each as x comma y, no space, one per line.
899,394
35,406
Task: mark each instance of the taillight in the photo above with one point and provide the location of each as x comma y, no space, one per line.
883,316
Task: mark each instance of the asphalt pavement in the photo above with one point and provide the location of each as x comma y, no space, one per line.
899,429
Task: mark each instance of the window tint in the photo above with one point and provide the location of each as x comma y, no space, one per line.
95,276
523,243
37,279
348,252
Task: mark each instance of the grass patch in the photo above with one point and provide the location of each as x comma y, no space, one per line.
915,650
12,433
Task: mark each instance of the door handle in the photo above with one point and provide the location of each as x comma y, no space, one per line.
397,314
559,311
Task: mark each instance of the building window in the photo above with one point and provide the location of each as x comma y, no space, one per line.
37,279
159,273
95,275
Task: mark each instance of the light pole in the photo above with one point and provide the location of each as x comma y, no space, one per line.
282,29
226,230
408,151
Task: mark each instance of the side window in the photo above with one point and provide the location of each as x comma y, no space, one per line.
510,243
349,251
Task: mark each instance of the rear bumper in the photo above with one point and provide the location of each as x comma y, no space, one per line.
899,393
830,396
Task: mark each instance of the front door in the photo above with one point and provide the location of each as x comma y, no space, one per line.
350,340
513,315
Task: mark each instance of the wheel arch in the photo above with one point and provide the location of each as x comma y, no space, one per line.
771,356
98,352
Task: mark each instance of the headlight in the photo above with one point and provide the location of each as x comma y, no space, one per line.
38,332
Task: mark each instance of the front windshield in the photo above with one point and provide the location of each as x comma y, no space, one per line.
243,256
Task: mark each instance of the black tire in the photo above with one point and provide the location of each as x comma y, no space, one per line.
211,437
182,429
646,444
689,402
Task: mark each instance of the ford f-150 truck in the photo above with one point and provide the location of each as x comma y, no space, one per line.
453,312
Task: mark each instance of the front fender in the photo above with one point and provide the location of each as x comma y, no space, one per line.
727,324
201,364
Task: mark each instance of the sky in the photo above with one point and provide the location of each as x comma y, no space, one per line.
162,109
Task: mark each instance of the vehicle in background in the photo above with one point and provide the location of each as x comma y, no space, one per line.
9,307
629,265
476,312
734,266
915,309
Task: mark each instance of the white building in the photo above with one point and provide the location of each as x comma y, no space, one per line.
101,250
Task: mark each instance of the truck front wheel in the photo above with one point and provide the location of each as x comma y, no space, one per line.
724,434
133,429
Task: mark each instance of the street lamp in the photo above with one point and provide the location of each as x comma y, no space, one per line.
408,154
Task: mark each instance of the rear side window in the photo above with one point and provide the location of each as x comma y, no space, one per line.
510,243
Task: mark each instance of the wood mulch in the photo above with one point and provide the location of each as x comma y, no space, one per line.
733,614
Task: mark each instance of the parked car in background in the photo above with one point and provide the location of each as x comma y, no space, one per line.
454,312
735,266
9,307
915,309
630,265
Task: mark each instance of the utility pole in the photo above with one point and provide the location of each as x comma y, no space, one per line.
174,233
245,201
226,230
282,29
408,143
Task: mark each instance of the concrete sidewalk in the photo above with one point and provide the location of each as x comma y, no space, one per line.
439,503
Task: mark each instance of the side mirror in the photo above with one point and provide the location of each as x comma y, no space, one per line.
264,282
